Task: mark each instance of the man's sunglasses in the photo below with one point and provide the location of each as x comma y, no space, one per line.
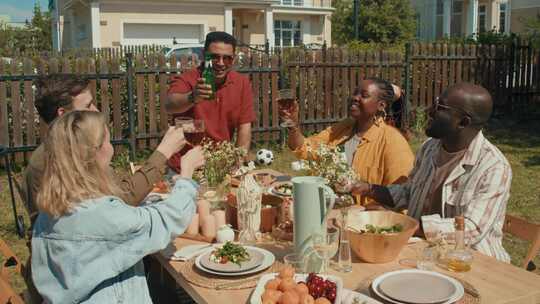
438,106
228,59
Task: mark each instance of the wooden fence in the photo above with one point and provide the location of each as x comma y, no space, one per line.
132,91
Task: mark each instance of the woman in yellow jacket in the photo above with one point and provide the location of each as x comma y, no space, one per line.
378,152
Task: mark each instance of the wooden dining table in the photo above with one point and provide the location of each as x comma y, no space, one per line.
496,282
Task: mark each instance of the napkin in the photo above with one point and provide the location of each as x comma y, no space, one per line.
434,226
185,253
348,297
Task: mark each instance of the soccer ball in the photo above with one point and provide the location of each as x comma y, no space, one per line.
265,157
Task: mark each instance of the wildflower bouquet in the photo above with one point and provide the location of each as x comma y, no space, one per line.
222,159
331,164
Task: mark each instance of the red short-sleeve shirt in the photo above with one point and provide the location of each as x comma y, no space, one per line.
232,106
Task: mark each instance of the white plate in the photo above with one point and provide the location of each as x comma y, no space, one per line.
273,190
400,287
267,262
256,259
259,290
458,294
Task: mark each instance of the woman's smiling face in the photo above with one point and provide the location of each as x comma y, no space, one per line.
366,104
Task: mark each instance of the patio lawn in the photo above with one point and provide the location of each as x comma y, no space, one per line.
520,143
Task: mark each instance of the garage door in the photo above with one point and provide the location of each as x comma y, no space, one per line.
152,33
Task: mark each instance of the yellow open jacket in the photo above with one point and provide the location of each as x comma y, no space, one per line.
383,156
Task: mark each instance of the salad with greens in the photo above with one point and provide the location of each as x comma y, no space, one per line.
230,252
382,229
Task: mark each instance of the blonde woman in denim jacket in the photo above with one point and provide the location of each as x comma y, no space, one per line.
88,244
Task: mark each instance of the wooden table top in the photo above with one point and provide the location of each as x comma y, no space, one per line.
496,282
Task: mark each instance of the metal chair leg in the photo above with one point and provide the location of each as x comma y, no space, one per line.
19,220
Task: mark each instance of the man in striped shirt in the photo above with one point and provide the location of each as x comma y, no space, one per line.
456,171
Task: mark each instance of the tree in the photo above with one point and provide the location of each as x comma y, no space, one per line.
41,23
380,21
532,26
35,35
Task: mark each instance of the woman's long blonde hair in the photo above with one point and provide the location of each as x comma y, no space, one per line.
72,173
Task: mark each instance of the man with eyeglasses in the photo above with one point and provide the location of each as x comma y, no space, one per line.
457,172
231,107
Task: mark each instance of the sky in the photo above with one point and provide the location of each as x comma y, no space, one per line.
20,10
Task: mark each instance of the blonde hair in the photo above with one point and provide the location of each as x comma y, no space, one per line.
72,173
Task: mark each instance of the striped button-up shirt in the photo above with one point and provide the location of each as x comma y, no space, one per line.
478,187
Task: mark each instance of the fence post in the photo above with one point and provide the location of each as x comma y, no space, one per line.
131,117
406,107
324,51
281,86
267,47
511,65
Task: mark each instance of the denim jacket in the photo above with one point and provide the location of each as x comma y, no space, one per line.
94,253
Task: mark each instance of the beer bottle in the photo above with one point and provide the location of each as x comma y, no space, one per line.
208,74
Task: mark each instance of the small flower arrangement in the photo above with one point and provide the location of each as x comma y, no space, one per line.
331,164
222,159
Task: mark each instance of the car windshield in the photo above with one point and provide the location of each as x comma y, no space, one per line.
165,50
199,51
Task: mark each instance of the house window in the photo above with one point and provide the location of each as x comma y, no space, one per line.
439,19
481,18
457,18
287,33
502,17
293,2
82,33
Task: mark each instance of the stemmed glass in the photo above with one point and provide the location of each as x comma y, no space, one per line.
325,244
286,102
193,129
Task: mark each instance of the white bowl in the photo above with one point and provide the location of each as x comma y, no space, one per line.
259,290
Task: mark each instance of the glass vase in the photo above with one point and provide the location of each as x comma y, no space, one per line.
344,254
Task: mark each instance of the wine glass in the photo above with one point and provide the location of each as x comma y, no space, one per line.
325,244
286,102
193,129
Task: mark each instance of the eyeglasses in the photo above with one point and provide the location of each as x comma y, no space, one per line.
438,106
227,59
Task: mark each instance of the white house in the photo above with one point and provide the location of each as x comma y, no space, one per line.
440,18
110,23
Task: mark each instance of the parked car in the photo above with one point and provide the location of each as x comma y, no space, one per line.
313,46
180,50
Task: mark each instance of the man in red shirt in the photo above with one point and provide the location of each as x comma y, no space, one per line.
231,108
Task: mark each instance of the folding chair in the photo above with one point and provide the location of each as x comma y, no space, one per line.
7,293
525,231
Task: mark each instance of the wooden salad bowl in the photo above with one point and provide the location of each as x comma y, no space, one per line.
375,247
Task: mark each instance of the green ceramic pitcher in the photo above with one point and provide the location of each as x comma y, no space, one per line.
312,200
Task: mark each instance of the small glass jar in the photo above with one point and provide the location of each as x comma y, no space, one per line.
460,258
296,261
427,257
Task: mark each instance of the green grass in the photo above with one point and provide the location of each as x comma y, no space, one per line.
520,143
